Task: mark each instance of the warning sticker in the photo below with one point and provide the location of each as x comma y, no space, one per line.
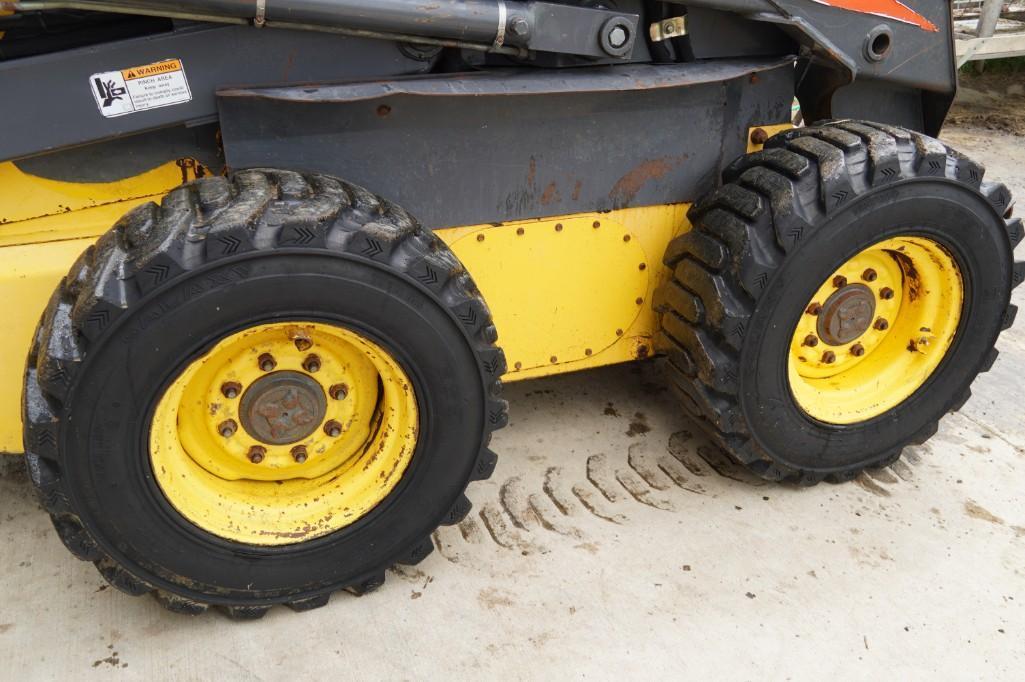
140,88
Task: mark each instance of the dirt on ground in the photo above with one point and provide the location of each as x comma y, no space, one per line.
994,101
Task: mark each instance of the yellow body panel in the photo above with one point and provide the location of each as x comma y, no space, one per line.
571,292
36,209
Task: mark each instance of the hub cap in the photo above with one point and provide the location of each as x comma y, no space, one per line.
283,407
846,315
875,330
284,432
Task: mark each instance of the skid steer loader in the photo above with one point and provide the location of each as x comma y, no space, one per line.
262,256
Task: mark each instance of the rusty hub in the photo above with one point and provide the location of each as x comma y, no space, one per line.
283,407
846,314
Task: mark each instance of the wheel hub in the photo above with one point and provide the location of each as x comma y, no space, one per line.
875,330
282,407
846,314
283,432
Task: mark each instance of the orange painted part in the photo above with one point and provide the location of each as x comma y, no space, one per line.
891,9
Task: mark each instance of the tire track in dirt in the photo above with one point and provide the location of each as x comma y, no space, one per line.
555,502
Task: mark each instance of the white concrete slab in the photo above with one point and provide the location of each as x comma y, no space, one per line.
615,542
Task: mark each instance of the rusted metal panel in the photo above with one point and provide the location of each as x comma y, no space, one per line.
512,144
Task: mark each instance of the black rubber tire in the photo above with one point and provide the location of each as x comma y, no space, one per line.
761,244
220,254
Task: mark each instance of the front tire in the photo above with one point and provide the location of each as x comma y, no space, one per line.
827,210
215,371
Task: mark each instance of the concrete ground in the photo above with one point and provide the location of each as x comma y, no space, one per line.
614,541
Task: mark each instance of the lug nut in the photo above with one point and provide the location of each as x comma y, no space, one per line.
267,362
338,391
231,389
811,341
333,428
312,363
869,275
881,324
839,281
829,357
256,454
299,454
302,343
814,309
886,293
857,350
227,428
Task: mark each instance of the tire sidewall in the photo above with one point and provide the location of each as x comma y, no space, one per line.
126,372
956,217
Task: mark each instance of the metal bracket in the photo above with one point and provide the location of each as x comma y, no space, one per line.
500,32
584,31
668,28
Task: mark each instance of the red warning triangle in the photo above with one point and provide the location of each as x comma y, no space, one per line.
891,9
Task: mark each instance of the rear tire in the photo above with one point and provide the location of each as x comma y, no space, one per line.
161,289
763,244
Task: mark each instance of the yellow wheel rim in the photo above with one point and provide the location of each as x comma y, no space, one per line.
875,330
284,432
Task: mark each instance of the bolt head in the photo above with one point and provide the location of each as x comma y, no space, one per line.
267,362
869,275
839,281
333,428
338,391
227,428
857,350
886,293
519,26
814,309
811,340
312,363
256,454
231,389
881,324
829,357
618,36
299,454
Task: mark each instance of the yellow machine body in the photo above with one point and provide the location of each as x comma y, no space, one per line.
567,293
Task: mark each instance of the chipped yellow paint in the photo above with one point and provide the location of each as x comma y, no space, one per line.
34,209
209,478
918,299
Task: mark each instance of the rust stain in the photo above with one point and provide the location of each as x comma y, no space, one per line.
551,194
627,187
576,190
289,65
